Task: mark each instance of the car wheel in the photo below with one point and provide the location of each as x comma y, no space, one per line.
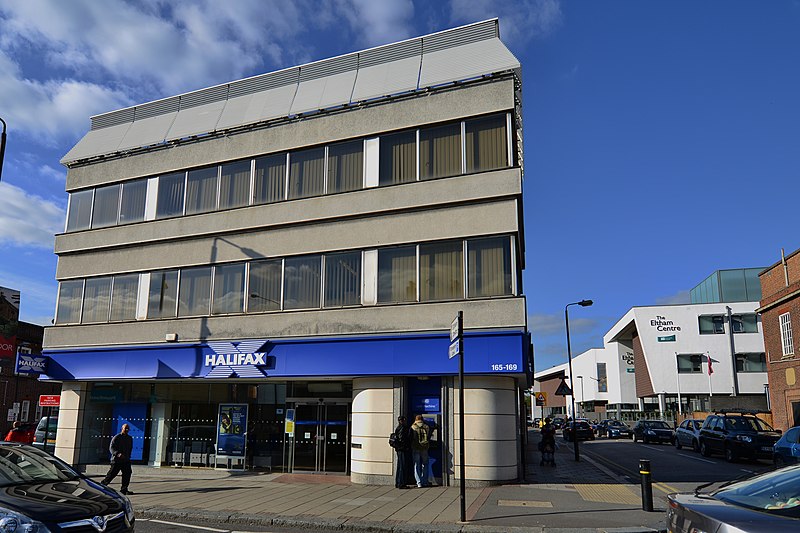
730,456
704,451
695,445
635,438
678,444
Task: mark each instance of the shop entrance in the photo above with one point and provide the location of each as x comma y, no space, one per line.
321,439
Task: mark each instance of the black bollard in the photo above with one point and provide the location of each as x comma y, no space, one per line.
647,485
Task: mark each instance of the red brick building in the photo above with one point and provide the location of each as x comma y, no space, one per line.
780,316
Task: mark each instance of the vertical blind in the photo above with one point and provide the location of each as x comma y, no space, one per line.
302,282
307,173
342,279
201,190
489,267
398,158
234,188
195,292
134,196
163,294
80,210
228,289
123,297
440,151
346,166
70,294
96,298
486,143
441,271
397,274
170,195
106,206
270,179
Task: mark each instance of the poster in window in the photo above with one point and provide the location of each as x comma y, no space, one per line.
232,430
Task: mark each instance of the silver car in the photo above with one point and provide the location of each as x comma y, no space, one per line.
688,434
766,503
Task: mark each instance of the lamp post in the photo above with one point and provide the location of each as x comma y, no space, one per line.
2,147
583,398
582,303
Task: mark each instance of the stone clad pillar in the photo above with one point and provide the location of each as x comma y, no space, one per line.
70,421
371,458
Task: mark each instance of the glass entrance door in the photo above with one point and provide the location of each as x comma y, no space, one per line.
321,437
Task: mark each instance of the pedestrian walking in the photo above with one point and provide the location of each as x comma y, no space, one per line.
548,443
400,441
420,443
121,447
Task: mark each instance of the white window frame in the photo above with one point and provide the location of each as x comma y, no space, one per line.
787,342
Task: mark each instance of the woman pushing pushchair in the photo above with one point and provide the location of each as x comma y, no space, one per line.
547,446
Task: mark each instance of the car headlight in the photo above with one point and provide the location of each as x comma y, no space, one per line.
13,522
128,508
744,438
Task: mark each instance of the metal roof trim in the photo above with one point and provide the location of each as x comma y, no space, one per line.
159,107
204,96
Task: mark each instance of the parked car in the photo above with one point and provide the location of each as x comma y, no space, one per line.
558,422
787,450
578,430
649,431
737,434
613,429
688,434
50,425
765,503
39,492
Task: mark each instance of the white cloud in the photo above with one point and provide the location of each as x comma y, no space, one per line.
545,325
519,21
27,219
378,21
680,297
53,173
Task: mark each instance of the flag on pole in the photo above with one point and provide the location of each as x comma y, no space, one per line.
710,370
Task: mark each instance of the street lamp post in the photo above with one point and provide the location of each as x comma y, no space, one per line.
2,147
582,303
583,398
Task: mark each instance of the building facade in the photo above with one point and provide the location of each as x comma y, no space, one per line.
292,248
780,315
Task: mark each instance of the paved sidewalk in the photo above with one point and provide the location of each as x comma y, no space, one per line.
570,497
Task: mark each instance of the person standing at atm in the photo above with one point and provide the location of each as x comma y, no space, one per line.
420,443
401,443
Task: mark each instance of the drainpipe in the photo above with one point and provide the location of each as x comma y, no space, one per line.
733,353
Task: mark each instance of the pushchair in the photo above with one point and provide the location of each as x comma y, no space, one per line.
548,450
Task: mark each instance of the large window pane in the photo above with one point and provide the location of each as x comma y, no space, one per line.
440,151
80,210
346,166
123,297
733,286
163,294
398,158
602,378
690,363
134,196
486,143
170,195
228,289
711,324
342,279
307,173
489,267
397,274
106,206
744,323
70,296
96,299
201,190
195,292
441,271
751,362
270,179
264,289
302,282
234,189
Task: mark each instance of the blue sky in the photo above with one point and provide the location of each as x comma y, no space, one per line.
661,138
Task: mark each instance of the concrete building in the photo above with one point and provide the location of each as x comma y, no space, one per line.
780,316
656,358
281,258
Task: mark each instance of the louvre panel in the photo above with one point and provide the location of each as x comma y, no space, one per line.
151,109
204,96
460,36
389,53
264,82
464,62
112,119
322,93
97,142
196,120
386,79
328,67
257,107
147,132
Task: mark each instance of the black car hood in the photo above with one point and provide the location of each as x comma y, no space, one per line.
61,501
740,517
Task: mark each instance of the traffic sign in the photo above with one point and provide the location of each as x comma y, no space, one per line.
49,400
541,399
563,389
452,351
455,328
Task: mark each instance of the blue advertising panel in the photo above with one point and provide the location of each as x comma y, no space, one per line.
133,414
232,430
29,364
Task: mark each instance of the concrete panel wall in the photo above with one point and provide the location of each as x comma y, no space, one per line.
70,421
483,314
373,421
363,122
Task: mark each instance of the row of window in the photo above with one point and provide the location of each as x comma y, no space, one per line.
475,145
787,341
416,273
745,362
715,324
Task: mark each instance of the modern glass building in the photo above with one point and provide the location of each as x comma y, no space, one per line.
263,273
734,285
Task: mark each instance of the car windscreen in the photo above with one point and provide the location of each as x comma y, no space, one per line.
616,423
28,465
746,423
776,492
657,424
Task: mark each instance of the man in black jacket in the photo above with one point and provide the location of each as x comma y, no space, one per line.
402,446
121,447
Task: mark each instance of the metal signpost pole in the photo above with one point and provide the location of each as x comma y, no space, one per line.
582,303
457,346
